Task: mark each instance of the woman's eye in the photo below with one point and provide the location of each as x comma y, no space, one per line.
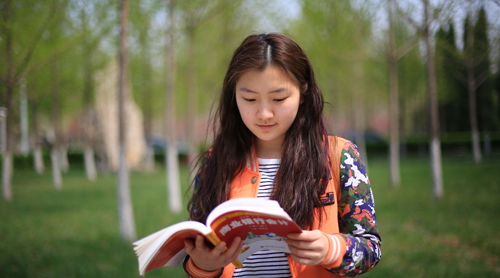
249,99
279,99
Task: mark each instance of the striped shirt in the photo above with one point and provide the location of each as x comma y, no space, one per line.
265,263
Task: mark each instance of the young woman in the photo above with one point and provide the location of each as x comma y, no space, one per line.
271,142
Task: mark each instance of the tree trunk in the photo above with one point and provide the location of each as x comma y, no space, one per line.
394,105
476,149
9,91
171,157
471,87
149,159
63,155
192,97
25,142
90,168
56,168
6,156
7,175
357,106
126,216
38,159
435,145
37,149
89,158
54,154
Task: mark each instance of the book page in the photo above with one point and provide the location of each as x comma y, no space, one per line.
247,204
166,247
257,243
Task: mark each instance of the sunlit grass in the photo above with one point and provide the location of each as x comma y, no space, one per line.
74,232
457,236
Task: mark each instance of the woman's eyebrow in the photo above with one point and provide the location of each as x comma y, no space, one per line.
279,90
245,90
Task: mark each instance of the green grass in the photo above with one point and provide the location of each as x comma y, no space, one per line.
74,232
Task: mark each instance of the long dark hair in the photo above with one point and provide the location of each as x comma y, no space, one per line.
305,165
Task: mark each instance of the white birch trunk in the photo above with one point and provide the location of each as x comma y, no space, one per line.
476,149
63,155
3,130
25,144
125,211
6,176
171,157
38,159
471,86
126,214
487,142
56,169
394,105
358,110
437,173
149,159
90,168
174,192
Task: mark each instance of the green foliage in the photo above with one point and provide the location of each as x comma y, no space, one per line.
450,75
336,35
481,54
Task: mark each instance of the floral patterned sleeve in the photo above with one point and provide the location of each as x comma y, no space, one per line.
357,221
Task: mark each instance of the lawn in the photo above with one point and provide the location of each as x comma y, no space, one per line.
74,232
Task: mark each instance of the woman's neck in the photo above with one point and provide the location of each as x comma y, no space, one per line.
268,149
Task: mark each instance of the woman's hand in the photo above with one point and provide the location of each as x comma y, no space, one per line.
210,259
308,247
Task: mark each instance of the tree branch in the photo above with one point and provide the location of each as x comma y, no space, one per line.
33,67
405,48
481,78
25,58
409,19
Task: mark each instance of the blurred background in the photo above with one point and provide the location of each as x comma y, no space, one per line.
104,106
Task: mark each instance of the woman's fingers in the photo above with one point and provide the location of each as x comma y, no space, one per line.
188,245
308,247
218,249
207,258
200,242
232,252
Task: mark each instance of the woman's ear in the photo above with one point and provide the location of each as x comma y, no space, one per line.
304,90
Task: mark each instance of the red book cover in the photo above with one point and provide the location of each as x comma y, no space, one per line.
262,224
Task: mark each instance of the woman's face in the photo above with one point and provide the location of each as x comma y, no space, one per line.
268,102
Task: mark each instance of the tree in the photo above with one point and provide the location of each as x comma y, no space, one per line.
87,49
37,148
54,153
482,75
337,37
393,54
430,15
126,216
195,14
471,87
171,160
17,58
453,96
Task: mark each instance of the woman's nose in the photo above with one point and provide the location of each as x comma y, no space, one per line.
265,112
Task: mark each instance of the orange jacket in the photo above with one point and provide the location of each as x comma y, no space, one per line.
247,185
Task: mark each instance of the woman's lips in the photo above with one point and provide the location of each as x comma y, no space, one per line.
266,127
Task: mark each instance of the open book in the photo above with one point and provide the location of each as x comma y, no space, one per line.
261,223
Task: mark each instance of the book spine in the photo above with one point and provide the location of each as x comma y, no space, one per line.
213,238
